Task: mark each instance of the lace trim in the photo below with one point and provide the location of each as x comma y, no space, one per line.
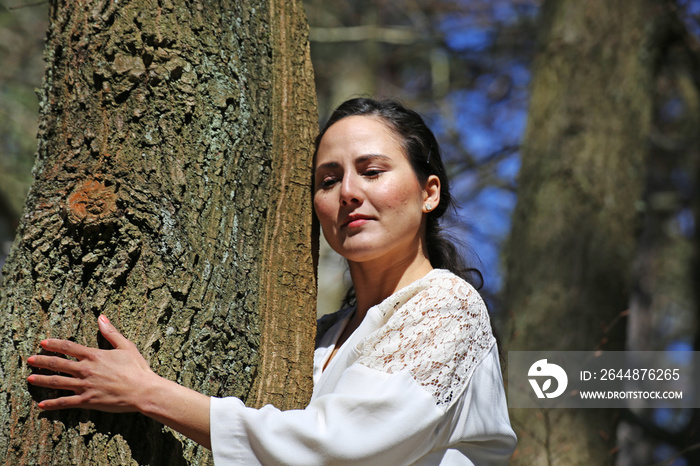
439,332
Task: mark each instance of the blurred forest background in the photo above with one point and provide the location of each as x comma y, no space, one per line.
467,67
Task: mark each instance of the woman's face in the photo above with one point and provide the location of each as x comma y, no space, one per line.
366,196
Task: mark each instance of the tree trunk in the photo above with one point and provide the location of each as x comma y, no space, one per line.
171,193
568,260
664,299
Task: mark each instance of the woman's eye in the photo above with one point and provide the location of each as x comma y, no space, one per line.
328,182
372,173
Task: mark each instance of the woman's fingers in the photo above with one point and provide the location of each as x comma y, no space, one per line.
73,401
108,380
111,334
65,347
54,363
56,382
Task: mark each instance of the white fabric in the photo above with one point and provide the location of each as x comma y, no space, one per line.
418,382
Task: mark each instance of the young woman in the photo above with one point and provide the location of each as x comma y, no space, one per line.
408,374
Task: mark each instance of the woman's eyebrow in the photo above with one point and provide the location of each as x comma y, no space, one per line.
359,160
327,165
367,157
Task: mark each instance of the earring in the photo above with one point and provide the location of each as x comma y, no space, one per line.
428,207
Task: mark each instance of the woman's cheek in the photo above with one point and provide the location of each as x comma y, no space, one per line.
322,212
318,206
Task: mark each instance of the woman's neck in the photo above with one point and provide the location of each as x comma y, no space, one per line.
373,282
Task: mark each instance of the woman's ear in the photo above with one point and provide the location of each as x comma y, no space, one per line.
431,193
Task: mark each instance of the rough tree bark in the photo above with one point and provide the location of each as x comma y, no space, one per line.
568,261
172,193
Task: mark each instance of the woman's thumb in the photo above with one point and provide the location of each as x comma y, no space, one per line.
110,333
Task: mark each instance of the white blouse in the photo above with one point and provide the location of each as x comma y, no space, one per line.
418,382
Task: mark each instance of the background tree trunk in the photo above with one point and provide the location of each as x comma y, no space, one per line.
664,298
172,193
569,257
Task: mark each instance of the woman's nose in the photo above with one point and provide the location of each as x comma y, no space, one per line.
350,190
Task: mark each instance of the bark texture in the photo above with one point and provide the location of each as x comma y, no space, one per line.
172,193
569,257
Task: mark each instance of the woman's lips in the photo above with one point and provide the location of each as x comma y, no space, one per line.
355,221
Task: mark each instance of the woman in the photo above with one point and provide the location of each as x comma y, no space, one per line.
408,374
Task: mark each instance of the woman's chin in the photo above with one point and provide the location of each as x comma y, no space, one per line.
357,253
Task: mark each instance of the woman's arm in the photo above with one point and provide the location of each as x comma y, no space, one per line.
119,380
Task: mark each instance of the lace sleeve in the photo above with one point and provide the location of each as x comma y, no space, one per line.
440,335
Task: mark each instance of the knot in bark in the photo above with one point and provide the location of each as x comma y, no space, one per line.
92,203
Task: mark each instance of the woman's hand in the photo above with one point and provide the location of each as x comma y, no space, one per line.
118,381
106,380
